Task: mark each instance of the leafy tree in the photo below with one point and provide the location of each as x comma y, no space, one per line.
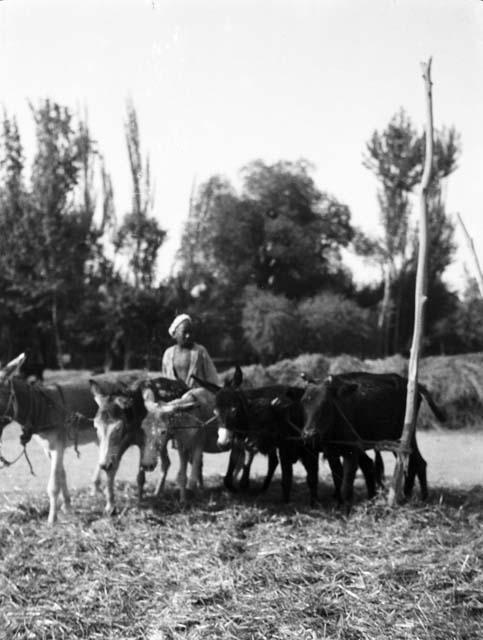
279,234
271,324
396,157
333,324
61,217
140,236
303,229
14,254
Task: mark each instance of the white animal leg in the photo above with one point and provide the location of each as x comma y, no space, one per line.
165,464
96,481
110,502
63,486
53,486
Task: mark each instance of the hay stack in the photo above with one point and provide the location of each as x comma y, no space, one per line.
346,364
393,364
283,372
288,371
456,384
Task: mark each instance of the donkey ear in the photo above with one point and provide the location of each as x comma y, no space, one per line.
12,368
96,391
211,386
237,377
148,395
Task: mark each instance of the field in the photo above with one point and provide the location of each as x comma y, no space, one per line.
244,567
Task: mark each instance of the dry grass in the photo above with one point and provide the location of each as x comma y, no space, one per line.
246,569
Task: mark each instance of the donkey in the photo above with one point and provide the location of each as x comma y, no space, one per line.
118,421
58,416
188,421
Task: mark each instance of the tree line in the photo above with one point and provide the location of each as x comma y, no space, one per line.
260,269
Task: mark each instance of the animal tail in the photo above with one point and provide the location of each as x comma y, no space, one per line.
438,412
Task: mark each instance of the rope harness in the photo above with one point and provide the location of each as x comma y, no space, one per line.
72,421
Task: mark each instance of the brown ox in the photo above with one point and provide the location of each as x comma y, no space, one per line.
58,416
189,421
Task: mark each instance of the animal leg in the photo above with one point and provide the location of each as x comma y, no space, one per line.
96,481
183,463
347,489
416,466
110,501
287,472
245,477
379,470
233,464
272,465
200,474
140,480
337,474
53,486
63,487
196,468
165,464
368,469
310,460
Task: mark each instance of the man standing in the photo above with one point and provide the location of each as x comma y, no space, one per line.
186,357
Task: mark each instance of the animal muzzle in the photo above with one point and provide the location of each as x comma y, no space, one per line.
225,437
108,458
149,459
108,464
309,431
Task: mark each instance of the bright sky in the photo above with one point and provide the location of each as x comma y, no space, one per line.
218,83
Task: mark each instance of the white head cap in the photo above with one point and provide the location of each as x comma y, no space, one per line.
183,317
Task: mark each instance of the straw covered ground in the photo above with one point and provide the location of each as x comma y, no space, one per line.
244,568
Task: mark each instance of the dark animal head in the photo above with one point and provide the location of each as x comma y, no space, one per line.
232,413
230,406
322,402
117,422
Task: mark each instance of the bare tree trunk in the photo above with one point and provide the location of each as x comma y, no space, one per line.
55,326
395,493
383,320
471,247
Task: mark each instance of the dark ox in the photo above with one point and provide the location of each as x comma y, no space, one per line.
356,409
269,420
119,417
249,422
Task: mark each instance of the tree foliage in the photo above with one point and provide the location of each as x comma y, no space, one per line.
260,267
271,324
396,157
140,235
280,233
334,324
